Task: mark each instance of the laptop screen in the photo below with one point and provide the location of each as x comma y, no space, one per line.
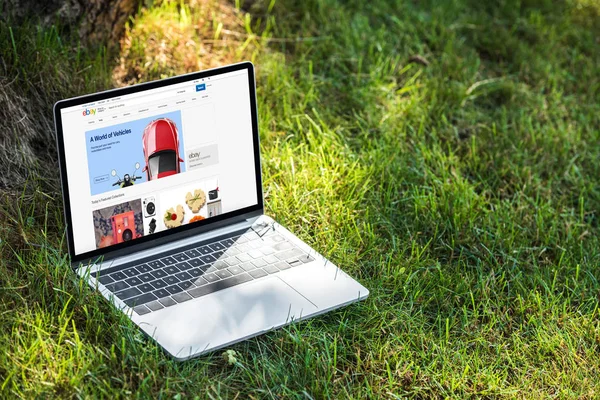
159,159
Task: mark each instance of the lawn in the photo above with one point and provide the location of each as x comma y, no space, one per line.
444,153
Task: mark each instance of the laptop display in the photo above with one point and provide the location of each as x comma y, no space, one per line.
154,159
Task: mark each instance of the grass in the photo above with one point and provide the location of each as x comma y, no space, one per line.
460,186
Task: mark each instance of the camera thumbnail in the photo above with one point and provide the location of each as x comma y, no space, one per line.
119,223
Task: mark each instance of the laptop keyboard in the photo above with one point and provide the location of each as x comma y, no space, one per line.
175,277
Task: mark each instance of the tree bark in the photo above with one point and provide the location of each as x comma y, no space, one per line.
97,22
26,136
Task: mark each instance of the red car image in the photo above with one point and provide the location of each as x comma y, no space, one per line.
161,149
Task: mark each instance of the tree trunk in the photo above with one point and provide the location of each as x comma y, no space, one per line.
98,22
26,129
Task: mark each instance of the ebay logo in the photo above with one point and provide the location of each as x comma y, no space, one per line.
88,111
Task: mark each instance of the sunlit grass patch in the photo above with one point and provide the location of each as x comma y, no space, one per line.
175,37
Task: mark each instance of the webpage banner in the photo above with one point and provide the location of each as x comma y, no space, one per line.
134,152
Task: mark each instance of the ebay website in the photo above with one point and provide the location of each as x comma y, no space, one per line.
159,159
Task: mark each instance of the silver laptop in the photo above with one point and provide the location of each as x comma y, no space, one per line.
164,214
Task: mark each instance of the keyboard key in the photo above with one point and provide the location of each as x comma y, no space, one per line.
255,254
271,269
244,257
271,259
182,276
159,273
256,244
187,284
168,260
257,273
117,286
232,251
299,253
242,248
227,242
167,302
136,301
276,238
127,293
159,283
306,258
181,297
217,254
146,287
259,262
223,274
183,266
220,265
266,250
204,250
284,255
216,246
155,264
250,235
133,281
208,259
196,262
248,266
146,277
171,270
199,281
231,261
118,276
161,293
235,270
220,285
174,289
211,269
180,257
155,305
143,268
130,272
193,253
211,277
141,310
106,279
283,246
282,265
294,262
195,272
171,280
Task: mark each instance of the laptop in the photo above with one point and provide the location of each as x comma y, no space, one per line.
164,212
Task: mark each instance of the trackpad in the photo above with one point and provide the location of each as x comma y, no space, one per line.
325,285
223,317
